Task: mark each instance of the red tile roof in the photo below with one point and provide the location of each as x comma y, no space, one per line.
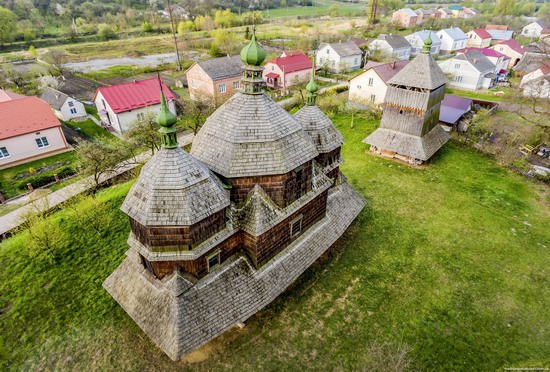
6,95
482,33
485,51
25,115
513,44
295,62
131,96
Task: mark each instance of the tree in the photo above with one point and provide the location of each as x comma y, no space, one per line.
185,26
8,26
102,158
46,81
334,10
106,32
32,51
504,7
56,58
144,132
90,213
225,18
197,110
146,27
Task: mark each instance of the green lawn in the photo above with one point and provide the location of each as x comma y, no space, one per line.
446,268
91,130
321,8
13,180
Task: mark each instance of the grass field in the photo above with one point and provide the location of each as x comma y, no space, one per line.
447,268
92,131
320,8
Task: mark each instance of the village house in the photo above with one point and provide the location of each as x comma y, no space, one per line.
535,56
339,57
417,42
499,60
6,95
470,70
178,12
121,105
453,108
511,49
29,130
537,83
427,14
452,39
470,13
457,11
289,69
391,46
216,79
479,38
371,85
218,234
410,129
445,13
405,17
65,108
534,29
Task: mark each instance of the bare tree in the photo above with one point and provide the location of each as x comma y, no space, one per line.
144,132
197,110
56,58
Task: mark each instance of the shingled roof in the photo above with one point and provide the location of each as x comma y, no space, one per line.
422,72
476,59
221,68
320,128
54,98
349,48
173,189
395,41
251,135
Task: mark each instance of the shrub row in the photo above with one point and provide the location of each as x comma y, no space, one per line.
42,180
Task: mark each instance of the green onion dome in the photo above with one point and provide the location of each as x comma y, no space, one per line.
253,54
165,118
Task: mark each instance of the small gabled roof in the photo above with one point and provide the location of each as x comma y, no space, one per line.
395,41
134,95
500,34
348,48
409,12
294,62
25,115
358,41
477,60
455,33
482,33
485,51
422,72
222,68
541,23
54,98
320,128
385,70
456,7
513,44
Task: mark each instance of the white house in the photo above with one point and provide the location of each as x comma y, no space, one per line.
64,107
470,70
417,42
290,68
537,83
121,105
512,49
339,57
29,130
479,37
452,39
391,46
371,85
499,60
534,29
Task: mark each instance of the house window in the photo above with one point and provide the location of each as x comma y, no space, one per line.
328,51
213,260
371,82
71,104
272,68
372,97
458,79
222,88
4,153
147,265
104,105
359,87
73,110
193,83
356,61
42,142
141,116
457,65
333,63
296,227
236,84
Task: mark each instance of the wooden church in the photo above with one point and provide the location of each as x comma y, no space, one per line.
219,234
409,129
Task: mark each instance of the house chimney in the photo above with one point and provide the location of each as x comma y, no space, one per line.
475,60
392,65
57,96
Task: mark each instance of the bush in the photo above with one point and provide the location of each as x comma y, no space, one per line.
106,32
146,27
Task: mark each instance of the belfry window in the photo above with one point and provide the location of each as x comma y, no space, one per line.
213,260
147,265
296,227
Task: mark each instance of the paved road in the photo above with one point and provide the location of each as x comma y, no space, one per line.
13,219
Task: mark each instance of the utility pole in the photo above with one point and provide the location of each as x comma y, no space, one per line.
178,61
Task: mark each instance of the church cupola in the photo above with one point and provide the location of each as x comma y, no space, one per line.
166,120
311,87
252,55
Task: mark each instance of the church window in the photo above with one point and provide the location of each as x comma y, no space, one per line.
4,153
222,88
296,227
213,260
371,82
